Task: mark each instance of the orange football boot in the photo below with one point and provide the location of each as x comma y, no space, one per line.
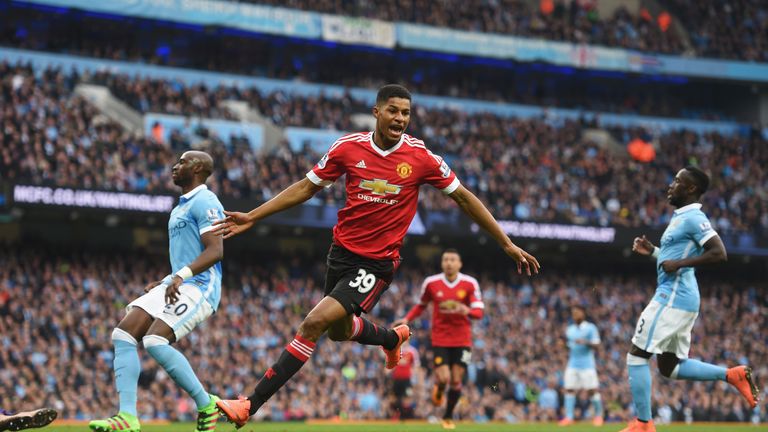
236,411
741,377
638,426
393,355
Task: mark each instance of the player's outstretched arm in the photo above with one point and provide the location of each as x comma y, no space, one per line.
474,208
236,222
212,253
714,253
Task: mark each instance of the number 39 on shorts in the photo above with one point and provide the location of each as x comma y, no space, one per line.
364,281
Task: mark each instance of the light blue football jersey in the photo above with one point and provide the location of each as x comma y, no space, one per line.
684,237
582,356
190,219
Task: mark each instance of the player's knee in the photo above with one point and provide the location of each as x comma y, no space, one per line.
153,343
634,360
667,363
637,352
312,328
339,334
119,334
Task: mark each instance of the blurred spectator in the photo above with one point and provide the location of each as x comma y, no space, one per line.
63,304
542,169
641,151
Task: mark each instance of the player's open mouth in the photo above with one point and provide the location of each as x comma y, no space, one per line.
395,130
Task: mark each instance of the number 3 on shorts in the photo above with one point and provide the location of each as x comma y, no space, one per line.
364,281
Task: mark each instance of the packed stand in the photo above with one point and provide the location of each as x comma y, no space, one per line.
536,179
733,29
519,167
495,80
57,311
565,21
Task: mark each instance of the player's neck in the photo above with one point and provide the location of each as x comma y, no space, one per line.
688,201
190,187
381,142
452,277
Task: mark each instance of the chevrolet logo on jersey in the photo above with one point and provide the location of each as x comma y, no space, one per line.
379,187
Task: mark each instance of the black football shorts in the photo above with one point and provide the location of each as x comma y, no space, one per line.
355,281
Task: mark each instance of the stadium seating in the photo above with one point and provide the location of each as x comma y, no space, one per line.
58,308
519,167
733,30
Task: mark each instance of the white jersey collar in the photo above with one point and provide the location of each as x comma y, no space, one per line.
193,192
689,207
390,150
449,283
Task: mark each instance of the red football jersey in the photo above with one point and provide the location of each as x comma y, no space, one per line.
382,190
450,329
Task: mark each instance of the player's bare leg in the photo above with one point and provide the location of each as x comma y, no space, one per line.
442,376
27,420
366,332
328,315
454,394
296,353
127,368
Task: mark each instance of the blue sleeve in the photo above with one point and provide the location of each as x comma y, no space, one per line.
206,211
699,228
595,335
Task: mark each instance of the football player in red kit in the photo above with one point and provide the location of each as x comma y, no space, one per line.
384,169
456,300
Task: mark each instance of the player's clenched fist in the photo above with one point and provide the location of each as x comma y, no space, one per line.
642,245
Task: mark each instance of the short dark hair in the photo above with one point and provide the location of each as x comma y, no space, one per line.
453,251
700,178
390,91
580,307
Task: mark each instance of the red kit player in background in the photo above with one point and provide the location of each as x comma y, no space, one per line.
384,170
457,300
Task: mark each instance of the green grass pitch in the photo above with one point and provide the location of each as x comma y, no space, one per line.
418,427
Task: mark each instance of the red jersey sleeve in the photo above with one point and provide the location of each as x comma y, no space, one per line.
426,297
475,298
330,167
440,175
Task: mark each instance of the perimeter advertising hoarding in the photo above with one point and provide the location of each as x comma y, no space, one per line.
451,223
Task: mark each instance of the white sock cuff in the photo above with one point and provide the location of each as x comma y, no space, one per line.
154,340
119,334
596,397
633,360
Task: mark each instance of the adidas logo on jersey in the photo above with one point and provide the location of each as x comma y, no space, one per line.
361,164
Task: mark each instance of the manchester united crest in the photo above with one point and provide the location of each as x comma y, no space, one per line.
404,169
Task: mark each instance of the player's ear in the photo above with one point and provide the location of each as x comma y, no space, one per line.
375,111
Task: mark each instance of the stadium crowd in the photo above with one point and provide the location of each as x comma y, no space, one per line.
566,21
734,29
520,167
57,310
494,80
